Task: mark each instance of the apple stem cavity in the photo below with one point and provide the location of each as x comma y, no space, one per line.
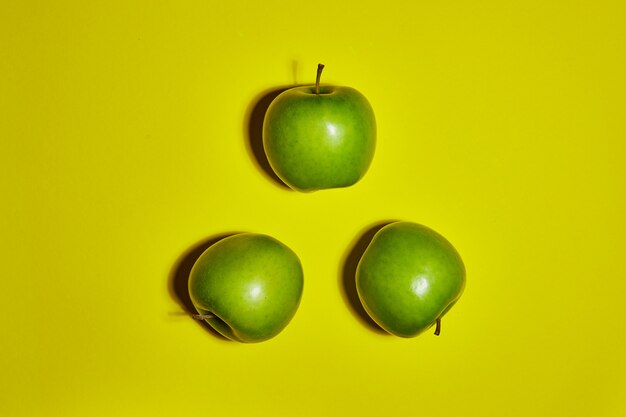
438,328
203,316
320,68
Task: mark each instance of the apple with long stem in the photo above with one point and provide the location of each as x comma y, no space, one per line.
319,137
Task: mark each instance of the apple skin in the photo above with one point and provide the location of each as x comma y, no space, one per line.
250,283
319,141
408,278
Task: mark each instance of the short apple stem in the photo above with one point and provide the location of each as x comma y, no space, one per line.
320,68
203,316
438,328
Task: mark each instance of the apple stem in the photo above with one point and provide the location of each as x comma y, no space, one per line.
438,328
203,316
320,68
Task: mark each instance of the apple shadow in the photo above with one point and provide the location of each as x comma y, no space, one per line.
347,275
179,279
253,131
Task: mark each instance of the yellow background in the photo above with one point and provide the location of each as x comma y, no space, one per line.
126,131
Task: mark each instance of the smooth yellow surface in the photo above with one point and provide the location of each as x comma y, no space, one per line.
124,130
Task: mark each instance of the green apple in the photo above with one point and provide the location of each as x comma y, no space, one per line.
247,286
319,137
408,278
